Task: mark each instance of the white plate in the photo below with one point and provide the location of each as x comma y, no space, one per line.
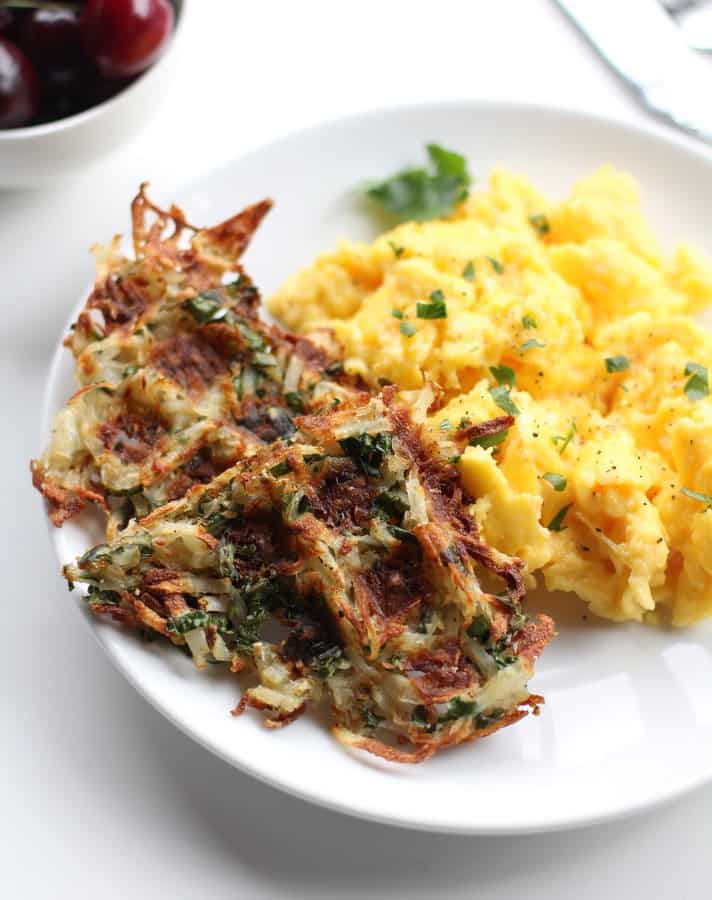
628,717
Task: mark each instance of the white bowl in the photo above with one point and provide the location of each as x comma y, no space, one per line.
39,154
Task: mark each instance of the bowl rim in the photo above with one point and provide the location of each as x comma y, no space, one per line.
27,132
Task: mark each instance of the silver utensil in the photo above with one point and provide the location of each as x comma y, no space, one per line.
643,45
694,18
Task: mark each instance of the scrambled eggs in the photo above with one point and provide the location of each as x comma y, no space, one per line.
568,317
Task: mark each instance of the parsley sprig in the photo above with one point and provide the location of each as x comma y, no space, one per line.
425,193
697,385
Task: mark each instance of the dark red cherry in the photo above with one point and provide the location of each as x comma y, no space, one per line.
19,87
123,37
51,37
7,20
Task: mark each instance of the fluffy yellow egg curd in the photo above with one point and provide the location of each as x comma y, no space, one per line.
569,318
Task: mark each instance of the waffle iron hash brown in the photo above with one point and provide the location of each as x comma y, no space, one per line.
267,513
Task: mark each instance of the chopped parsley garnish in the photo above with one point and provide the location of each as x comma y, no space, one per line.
402,534
129,371
397,251
540,223
503,375
435,308
295,505
531,344
397,313
369,450
407,329
282,468
425,193
468,273
564,439
479,628
445,425
188,621
419,717
617,363
391,506
529,321
294,401
206,307
502,397
696,495
697,385
558,482
484,720
457,708
326,663
489,440
370,719
557,523
496,264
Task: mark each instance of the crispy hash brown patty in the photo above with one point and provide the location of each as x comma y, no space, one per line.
179,376
352,533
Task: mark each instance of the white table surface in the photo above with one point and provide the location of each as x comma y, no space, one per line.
102,797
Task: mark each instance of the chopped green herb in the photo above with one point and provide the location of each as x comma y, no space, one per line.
294,401
464,423
564,439
556,523
490,440
617,363
502,397
391,505
468,273
484,720
531,344
445,425
696,495
454,460
370,719
407,329
397,251
558,482
206,307
426,193
419,716
496,264
697,385
326,663
436,308
369,450
397,313
457,708
295,505
282,468
188,621
503,375
129,371
479,628
402,534
529,321
540,223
